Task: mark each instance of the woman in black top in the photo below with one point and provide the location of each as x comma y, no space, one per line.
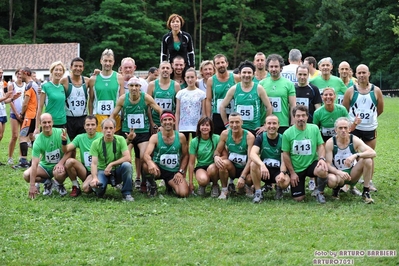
177,42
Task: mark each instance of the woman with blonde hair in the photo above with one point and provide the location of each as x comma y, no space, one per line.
53,96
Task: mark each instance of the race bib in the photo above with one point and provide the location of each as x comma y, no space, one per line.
271,163
105,107
135,121
327,132
302,101
229,108
302,147
339,162
366,116
246,112
169,160
340,99
87,159
77,104
238,159
276,104
165,104
53,156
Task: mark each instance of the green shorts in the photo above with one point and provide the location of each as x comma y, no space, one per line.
48,170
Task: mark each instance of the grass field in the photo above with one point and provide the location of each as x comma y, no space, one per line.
202,231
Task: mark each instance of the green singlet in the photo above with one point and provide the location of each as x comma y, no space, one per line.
135,115
167,156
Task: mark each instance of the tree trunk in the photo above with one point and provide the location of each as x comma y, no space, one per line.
195,25
10,19
237,44
34,22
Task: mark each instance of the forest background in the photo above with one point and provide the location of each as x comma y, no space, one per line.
357,31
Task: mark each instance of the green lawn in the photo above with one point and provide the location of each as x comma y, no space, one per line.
201,231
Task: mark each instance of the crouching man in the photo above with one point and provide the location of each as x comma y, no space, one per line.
111,162
267,164
47,160
170,158
348,158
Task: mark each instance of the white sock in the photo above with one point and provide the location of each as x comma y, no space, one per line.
75,183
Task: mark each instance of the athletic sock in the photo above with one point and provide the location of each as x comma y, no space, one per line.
321,183
75,183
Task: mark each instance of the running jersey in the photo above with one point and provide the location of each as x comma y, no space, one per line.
365,106
289,72
308,95
325,119
238,152
247,104
48,148
167,156
135,115
204,149
270,155
166,99
302,145
339,155
31,92
219,91
83,142
202,85
279,92
18,102
333,82
55,102
76,101
106,91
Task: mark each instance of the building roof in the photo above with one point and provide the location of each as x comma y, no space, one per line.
37,56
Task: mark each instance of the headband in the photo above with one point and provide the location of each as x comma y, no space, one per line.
247,64
165,115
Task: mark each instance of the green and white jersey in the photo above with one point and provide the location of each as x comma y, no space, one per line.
238,152
83,142
325,119
339,155
279,92
48,148
247,104
219,91
364,106
106,91
76,99
166,99
135,115
167,156
302,145
55,102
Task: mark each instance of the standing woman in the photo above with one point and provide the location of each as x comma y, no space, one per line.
201,149
190,104
53,96
177,42
17,87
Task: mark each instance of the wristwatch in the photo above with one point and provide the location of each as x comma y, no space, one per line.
181,171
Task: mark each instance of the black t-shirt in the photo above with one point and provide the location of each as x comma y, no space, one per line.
311,93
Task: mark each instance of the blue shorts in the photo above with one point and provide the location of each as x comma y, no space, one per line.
3,119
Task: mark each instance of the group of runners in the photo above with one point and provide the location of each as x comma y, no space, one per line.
268,123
